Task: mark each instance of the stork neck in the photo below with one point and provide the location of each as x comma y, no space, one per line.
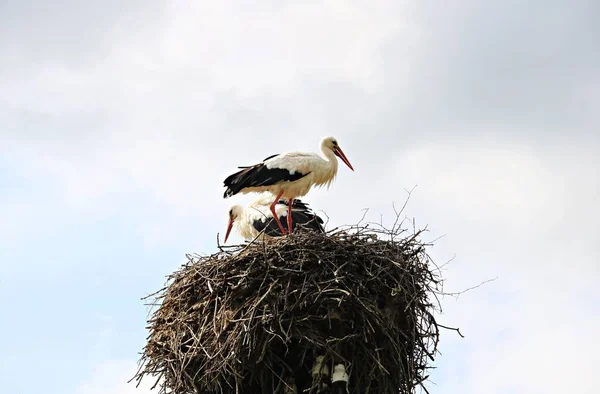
331,159
328,153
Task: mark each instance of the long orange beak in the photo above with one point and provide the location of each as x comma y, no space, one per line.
339,153
229,227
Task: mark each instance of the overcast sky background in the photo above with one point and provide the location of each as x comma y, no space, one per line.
119,121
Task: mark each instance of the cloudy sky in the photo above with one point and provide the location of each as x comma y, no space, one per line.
119,120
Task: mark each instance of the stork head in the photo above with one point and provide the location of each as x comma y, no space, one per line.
234,212
330,143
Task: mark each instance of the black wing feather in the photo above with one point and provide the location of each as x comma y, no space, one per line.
258,175
270,157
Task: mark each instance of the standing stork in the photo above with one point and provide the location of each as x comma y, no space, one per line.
256,217
288,175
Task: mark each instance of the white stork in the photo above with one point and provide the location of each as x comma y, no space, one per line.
288,175
255,217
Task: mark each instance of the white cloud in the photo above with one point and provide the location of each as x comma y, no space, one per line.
504,184
258,49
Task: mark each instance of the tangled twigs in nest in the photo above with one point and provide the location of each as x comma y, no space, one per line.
256,319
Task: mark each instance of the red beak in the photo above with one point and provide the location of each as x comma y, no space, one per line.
339,153
229,227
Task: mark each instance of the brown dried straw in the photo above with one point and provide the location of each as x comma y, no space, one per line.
254,318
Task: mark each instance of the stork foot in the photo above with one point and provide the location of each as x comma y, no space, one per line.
281,228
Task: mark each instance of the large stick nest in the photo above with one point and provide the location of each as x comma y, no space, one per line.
253,319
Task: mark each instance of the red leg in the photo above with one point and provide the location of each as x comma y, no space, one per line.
289,218
275,213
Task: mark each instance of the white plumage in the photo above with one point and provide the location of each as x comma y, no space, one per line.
288,175
256,217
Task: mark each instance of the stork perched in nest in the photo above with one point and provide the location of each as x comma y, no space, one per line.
256,217
288,176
